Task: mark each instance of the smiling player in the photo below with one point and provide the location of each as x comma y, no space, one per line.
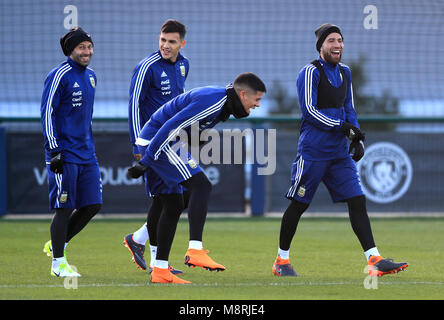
75,187
206,106
328,119
157,79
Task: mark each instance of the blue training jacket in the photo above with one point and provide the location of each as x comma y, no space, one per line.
155,81
66,112
320,136
202,105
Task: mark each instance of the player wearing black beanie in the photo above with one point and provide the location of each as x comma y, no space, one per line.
323,31
74,185
324,155
72,38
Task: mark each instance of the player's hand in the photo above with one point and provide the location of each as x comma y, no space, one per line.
357,150
56,164
352,132
138,156
136,171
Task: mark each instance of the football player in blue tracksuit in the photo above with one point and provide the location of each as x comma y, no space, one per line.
206,106
156,80
75,189
328,119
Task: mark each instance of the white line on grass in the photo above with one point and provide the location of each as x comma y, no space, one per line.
251,284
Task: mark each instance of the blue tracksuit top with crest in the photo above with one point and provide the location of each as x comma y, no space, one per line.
155,81
320,136
202,105
66,112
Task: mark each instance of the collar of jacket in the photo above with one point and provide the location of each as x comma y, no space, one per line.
233,105
75,65
179,57
328,65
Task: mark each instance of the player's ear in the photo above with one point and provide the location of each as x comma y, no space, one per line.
183,44
242,94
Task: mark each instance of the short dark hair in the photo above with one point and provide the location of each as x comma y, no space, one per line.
249,80
171,26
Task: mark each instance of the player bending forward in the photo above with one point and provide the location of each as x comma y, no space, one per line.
207,106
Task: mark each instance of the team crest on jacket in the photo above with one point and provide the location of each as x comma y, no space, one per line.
301,191
91,79
182,70
63,197
192,163
385,172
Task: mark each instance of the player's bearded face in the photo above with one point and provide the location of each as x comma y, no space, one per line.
82,54
170,44
331,50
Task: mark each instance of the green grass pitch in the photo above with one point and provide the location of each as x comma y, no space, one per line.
325,252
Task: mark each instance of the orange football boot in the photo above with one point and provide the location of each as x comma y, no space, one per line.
159,275
378,266
200,258
283,268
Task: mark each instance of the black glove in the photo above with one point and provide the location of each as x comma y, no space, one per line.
352,132
357,150
56,164
136,171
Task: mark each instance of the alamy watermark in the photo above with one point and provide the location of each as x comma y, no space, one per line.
228,146
71,18
370,21
370,281
71,282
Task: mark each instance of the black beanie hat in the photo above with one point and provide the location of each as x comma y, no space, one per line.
70,40
323,31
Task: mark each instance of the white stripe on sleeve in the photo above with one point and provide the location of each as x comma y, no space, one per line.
309,103
177,162
49,109
201,115
137,90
